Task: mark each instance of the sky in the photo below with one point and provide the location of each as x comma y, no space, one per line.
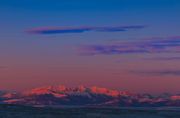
129,45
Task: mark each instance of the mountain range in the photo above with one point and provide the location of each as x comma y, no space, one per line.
86,96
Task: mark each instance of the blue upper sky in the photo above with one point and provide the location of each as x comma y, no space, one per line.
92,5
98,23
157,14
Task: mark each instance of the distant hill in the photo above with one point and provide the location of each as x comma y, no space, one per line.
86,96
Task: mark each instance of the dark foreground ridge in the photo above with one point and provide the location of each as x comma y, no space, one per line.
19,111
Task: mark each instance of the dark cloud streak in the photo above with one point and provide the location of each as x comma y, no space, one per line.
62,30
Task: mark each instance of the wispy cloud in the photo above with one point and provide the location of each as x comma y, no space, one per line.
158,72
61,30
3,67
164,58
151,45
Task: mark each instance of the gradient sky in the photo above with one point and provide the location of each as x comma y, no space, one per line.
121,44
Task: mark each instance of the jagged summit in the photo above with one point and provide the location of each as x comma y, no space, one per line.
81,89
46,90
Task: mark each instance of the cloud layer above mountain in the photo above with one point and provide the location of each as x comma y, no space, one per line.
159,72
62,30
150,45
